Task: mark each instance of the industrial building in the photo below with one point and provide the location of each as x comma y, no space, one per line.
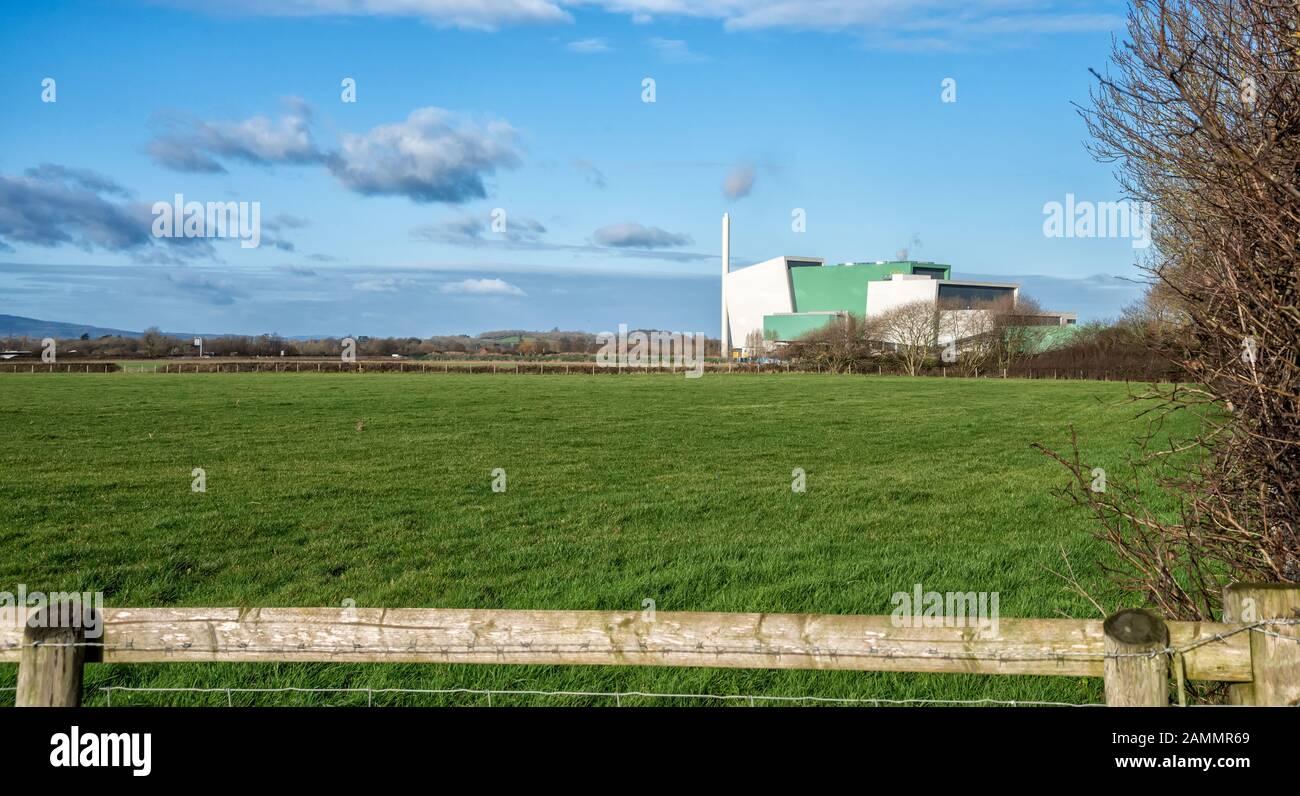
787,297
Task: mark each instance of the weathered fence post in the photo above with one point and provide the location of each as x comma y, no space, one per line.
53,657
1274,659
1136,669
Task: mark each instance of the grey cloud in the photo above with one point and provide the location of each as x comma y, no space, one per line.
51,206
176,251
469,230
208,289
277,223
173,152
284,221
590,172
739,182
278,243
633,235
631,241
86,178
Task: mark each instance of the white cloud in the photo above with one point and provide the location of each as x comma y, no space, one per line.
481,287
432,156
193,145
675,51
469,14
888,21
588,46
390,285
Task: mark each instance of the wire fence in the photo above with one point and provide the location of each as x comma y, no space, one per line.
753,700
1151,373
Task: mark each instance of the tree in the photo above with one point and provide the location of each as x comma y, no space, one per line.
970,334
843,346
155,342
1016,330
913,329
1202,112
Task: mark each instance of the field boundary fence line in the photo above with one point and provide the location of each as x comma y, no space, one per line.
1135,651
618,696
517,367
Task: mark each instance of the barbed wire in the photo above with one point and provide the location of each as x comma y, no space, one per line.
1275,634
617,696
700,649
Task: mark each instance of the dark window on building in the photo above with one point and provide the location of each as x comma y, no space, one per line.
1040,320
801,263
972,296
933,273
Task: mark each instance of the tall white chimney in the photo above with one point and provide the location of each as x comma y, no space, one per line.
725,337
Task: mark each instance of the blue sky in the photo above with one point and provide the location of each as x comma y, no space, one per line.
376,213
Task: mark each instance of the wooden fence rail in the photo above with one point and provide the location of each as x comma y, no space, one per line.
1134,655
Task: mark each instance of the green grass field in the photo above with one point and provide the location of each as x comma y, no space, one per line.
619,489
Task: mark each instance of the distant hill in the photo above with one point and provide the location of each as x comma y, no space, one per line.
18,326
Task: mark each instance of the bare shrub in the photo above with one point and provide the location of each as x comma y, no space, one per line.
1203,115
913,331
845,345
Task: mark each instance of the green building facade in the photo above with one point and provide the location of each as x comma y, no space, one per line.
821,293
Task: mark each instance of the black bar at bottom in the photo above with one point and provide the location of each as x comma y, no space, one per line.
525,748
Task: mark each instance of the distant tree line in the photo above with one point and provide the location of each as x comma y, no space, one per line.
155,344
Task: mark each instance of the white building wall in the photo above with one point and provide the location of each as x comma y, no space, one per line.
957,325
900,289
755,291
